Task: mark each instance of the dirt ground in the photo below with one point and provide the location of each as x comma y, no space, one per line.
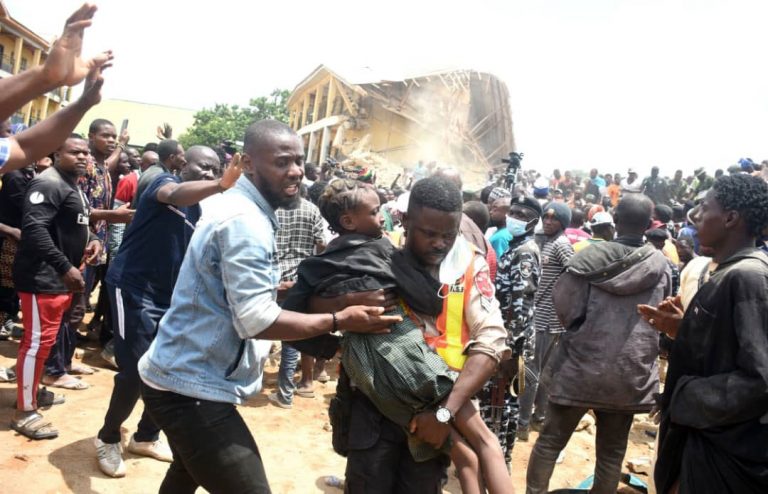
295,444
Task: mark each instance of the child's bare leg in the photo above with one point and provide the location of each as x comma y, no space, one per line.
485,444
467,465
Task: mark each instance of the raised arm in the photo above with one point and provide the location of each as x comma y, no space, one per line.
43,138
63,67
190,193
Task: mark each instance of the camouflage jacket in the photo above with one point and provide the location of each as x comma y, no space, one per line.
517,280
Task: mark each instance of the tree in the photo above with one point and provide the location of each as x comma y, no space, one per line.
228,122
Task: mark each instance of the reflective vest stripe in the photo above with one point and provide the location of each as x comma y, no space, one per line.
454,334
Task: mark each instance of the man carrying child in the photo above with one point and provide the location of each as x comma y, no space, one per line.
467,331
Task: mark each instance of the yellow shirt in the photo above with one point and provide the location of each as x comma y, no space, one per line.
579,246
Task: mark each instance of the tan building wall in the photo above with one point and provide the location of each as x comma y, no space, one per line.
22,49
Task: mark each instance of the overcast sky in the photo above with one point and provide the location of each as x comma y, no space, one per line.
605,83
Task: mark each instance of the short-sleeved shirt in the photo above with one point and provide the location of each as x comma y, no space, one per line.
126,188
5,151
96,184
154,244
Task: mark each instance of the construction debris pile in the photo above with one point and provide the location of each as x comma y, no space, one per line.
457,118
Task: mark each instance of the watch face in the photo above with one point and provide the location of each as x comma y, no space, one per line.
443,415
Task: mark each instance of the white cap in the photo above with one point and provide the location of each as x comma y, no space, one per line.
602,218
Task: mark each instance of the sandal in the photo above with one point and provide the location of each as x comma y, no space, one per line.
46,399
323,377
34,427
7,375
80,370
304,393
65,381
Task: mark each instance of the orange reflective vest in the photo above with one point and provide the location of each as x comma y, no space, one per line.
454,333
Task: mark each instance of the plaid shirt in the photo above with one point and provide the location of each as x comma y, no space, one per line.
300,230
5,151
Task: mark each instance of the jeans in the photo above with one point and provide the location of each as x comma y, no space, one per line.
610,441
534,399
212,447
289,359
136,316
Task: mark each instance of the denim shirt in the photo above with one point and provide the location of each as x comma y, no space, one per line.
225,295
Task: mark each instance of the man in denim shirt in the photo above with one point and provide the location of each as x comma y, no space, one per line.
205,359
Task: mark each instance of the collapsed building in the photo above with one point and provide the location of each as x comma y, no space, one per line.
457,118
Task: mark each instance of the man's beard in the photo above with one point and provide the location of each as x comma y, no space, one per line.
277,201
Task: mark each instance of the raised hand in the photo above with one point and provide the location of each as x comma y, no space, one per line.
93,83
124,137
64,65
231,173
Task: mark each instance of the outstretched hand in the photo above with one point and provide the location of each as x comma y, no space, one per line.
93,83
231,173
64,65
665,317
364,319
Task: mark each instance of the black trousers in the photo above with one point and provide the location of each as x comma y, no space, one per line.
212,447
137,316
379,462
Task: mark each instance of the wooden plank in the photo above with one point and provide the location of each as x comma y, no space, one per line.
304,110
331,98
350,108
321,124
316,107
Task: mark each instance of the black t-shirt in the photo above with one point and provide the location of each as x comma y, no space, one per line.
54,233
12,194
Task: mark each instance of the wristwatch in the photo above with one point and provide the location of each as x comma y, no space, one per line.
443,415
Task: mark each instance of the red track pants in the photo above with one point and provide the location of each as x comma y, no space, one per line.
42,319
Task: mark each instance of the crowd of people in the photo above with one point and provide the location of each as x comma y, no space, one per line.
463,321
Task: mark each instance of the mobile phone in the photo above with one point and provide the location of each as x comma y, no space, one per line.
124,126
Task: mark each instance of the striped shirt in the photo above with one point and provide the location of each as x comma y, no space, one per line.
555,254
5,151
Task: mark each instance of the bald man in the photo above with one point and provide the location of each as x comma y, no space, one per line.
148,159
140,282
606,359
205,358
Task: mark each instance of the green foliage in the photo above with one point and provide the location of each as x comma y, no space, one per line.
228,122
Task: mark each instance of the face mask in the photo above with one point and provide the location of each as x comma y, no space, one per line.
516,227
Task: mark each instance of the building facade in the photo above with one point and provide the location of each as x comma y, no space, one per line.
20,50
390,122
